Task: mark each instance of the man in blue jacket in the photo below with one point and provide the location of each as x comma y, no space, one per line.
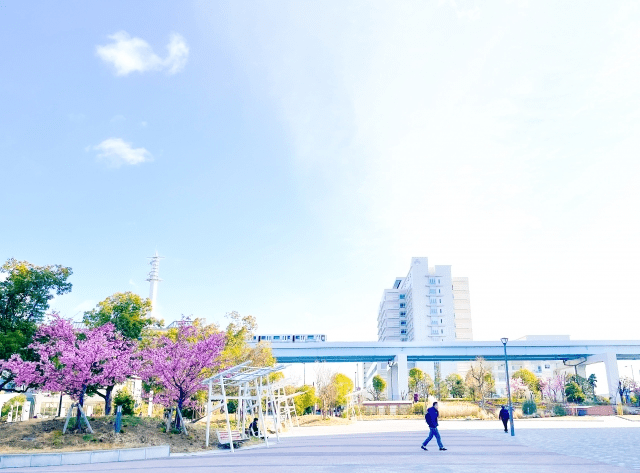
432,421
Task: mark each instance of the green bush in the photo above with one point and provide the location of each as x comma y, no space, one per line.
232,406
559,410
418,408
574,393
529,407
125,399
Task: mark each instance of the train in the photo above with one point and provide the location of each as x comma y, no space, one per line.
290,338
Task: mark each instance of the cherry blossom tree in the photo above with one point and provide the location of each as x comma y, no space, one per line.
176,366
554,386
518,388
74,361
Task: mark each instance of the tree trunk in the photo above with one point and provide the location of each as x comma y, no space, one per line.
107,400
180,403
81,404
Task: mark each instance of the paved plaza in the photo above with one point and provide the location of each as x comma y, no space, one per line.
545,445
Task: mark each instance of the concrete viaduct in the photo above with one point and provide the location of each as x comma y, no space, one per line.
577,353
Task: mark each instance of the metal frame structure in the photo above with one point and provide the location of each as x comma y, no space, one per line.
253,387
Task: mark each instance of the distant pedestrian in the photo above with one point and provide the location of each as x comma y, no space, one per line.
432,421
504,417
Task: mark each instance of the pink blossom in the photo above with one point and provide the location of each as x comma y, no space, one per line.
73,361
177,368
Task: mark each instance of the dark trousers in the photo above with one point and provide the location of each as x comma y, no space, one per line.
433,432
504,421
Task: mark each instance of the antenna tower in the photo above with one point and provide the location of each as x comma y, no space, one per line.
154,279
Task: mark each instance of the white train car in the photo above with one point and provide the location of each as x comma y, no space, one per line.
290,338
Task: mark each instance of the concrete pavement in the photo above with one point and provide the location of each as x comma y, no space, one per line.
567,446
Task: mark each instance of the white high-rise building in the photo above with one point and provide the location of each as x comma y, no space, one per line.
425,305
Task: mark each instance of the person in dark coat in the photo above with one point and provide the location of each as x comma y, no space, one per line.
504,417
432,421
253,427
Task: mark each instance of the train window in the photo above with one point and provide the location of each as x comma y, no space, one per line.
276,337
309,337
297,337
322,338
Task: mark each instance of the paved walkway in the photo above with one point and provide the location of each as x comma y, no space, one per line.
588,446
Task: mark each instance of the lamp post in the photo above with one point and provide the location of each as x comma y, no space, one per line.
506,367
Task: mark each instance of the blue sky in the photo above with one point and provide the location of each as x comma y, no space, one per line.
289,158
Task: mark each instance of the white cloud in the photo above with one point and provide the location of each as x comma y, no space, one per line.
129,54
117,152
132,282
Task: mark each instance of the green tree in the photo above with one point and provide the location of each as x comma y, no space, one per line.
574,392
529,379
25,293
420,382
125,399
455,384
379,385
344,385
127,311
444,390
304,402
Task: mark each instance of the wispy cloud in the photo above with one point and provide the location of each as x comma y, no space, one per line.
117,152
130,54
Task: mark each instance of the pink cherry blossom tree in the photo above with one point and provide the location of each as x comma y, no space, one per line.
518,388
176,367
553,387
74,361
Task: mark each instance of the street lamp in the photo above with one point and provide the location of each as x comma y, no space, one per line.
506,367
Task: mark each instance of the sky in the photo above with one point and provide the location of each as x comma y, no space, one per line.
287,159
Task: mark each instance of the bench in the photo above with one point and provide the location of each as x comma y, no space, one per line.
237,437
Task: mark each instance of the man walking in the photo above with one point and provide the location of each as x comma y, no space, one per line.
432,421
504,417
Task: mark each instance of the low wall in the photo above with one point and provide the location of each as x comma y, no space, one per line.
78,458
591,410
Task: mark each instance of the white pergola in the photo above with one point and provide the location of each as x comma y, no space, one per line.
253,387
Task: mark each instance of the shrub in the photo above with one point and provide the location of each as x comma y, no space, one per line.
559,410
418,408
458,409
232,406
574,393
125,399
529,407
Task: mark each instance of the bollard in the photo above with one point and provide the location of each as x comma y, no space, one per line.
118,424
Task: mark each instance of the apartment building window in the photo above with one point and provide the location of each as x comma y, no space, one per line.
432,291
441,330
403,322
432,280
402,296
547,367
441,311
433,300
438,281
403,312
403,332
434,311
403,305
440,301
